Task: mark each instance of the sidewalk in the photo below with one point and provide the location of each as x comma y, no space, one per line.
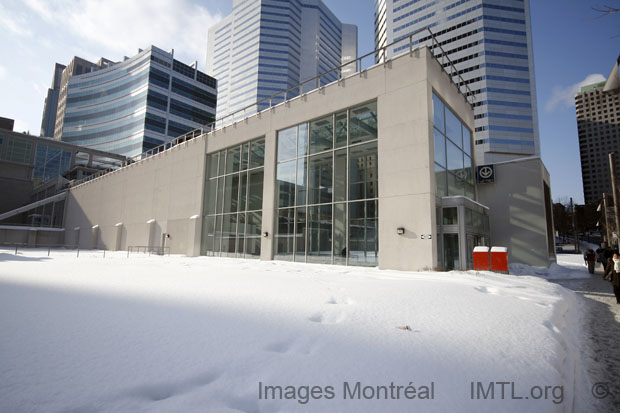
602,334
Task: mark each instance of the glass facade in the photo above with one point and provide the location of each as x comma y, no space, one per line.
49,163
327,189
453,157
234,201
132,106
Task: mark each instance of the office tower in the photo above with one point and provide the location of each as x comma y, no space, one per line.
490,44
267,46
50,107
598,124
77,66
135,105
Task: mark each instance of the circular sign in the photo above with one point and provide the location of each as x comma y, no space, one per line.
485,172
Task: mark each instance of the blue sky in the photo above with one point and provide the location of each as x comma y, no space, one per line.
572,44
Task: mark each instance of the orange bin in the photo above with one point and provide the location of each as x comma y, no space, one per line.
481,258
499,259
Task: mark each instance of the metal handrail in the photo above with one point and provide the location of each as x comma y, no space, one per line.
148,248
212,127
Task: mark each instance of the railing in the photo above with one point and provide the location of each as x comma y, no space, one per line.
151,249
296,91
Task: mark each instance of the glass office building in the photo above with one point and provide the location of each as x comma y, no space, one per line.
138,104
490,44
267,46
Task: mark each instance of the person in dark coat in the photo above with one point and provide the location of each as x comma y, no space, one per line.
590,259
615,277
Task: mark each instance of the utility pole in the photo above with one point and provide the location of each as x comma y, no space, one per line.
575,238
614,187
607,228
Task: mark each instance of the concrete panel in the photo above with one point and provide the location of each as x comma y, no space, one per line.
518,219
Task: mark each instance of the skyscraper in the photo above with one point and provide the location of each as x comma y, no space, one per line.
48,121
77,66
598,124
132,106
490,44
267,46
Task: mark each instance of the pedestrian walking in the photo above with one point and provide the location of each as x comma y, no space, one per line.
615,276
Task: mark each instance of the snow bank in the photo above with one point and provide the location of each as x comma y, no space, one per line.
207,334
568,266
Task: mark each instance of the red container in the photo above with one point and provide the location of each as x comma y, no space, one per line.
499,259
481,258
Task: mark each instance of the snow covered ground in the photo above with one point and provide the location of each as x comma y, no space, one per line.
172,334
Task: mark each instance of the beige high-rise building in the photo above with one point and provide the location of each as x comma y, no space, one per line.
598,124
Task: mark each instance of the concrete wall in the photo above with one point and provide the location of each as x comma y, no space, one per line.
33,237
517,219
166,187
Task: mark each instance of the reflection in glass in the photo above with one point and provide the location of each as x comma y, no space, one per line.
455,185
242,192
212,165
210,196
340,234
363,123
340,175
455,157
255,192
321,134
453,128
231,193
441,181
438,114
320,234
320,179
450,216
285,234
340,132
233,159
440,148
302,139
302,181
300,234
217,239
240,234
229,234
285,176
220,195
451,251
222,163
245,154
287,144
466,140
363,241
257,153
253,234
363,171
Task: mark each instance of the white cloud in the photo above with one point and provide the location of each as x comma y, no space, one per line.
2,72
14,22
564,96
120,27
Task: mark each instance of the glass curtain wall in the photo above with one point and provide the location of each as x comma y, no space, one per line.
453,153
326,189
234,201
453,175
